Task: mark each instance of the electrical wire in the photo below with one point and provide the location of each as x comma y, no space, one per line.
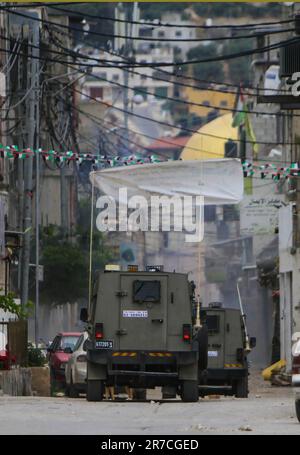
177,100
188,62
12,57
183,76
112,64
26,94
148,39
97,121
167,24
172,126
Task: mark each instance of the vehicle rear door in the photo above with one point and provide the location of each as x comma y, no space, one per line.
143,312
215,321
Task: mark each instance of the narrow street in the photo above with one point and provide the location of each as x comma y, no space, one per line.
268,410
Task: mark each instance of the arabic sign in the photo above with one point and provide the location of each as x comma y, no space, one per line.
259,215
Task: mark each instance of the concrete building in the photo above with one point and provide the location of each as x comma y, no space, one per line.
103,83
180,33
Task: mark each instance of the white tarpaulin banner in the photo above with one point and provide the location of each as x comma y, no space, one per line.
218,181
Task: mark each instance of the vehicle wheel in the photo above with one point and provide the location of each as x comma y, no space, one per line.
140,394
95,390
189,391
297,405
73,392
241,388
202,337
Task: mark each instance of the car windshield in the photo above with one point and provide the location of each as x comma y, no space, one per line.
68,342
78,343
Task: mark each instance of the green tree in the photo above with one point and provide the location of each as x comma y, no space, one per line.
210,70
8,304
239,68
66,261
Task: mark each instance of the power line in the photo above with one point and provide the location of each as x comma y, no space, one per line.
172,74
167,24
70,53
191,103
179,127
188,62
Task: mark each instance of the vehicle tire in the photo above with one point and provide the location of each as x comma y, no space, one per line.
297,406
73,392
189,391
241,388
140,394
95,390
202,337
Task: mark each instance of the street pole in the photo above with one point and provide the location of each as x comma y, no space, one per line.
37,247
126,75
28,167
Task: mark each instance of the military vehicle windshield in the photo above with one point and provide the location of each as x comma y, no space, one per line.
146,291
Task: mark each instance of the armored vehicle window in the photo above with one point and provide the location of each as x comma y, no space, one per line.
146,291
213,323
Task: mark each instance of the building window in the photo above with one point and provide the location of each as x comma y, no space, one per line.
178,33
145,32
96,92
209,213
223,103
115,77
230,213
161,91
102,75
140,91
161,34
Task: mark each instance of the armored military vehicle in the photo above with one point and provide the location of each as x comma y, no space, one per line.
228,347
141,333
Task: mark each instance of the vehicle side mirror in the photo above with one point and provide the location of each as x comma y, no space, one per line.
83,315
68,350
49,349
252,342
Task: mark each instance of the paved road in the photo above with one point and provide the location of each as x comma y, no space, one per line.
270,411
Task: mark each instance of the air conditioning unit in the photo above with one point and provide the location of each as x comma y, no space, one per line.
289,60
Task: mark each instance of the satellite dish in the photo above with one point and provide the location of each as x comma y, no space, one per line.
138,99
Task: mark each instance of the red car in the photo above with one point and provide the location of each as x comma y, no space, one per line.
6,360
58,355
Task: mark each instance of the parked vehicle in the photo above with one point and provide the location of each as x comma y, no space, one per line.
228,347
59,353
141,334
296,372
75,371
6,359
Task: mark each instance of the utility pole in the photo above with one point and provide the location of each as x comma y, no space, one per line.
20,164
126,54
31,127
63,199
129,13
